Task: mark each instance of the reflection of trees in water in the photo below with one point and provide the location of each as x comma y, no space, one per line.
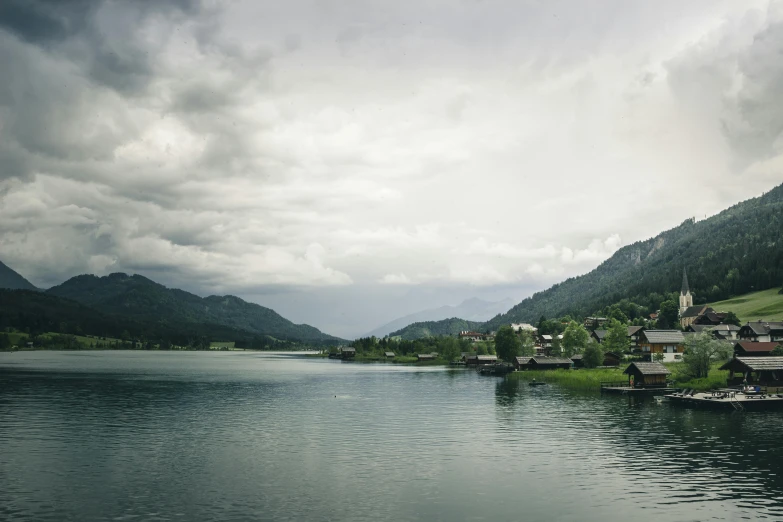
507,391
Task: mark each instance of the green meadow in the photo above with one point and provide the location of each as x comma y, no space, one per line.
766,305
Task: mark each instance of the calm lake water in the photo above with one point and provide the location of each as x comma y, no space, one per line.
247,436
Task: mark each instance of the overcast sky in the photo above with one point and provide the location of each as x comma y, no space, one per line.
348,162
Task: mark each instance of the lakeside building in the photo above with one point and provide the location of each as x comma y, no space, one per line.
762,331
426,356
542,363
670,343
480,360
390,355
647,374
348,353
763,371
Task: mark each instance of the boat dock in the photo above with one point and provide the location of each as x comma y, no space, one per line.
727,399
622,388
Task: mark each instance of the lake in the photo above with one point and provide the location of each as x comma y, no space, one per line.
237,436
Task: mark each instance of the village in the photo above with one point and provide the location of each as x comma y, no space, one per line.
752,353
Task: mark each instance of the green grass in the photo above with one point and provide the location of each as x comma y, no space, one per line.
766,305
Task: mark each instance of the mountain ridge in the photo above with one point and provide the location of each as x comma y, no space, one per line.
12,280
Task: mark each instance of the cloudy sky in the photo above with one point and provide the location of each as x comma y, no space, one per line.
347,162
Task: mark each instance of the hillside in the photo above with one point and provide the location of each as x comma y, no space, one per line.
451,326
766,305
140,298
728,254
11,280
732,253
473,309
40,312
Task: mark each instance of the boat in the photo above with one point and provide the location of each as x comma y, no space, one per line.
536,383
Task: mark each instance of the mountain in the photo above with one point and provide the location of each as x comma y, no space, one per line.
451,326
737,251
137,297
12,280
474,309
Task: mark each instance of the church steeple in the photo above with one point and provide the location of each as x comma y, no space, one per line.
686,299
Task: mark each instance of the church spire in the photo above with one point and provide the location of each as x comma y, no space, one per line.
685,288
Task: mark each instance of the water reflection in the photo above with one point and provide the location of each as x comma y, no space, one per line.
218,438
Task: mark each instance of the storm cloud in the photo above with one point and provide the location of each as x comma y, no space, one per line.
309,154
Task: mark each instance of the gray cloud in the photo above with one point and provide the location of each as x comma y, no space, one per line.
412,152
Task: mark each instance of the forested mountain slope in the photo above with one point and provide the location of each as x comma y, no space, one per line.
451,326
138,297
734,252
11,280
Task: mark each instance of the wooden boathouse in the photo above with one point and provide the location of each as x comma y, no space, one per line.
762,371
542,363
643,378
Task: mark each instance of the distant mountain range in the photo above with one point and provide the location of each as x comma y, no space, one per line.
12,280
476,310
734,252
146,306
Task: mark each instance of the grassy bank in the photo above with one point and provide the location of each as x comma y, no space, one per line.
591,379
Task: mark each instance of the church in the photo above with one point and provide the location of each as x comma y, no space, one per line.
688,312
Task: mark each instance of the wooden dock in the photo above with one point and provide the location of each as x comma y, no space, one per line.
627,390
728,399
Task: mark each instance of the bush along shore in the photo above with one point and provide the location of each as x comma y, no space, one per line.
591,379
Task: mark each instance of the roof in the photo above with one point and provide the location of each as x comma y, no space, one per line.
756,364
725,328
692,311
648,368
389,354
753,347
487,357
763,327
698,328
349,350
633,330
546,337
664,336
425,356
613,354
685,289
577,357
599,333
550,360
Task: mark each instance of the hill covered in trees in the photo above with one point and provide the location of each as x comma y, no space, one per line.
12,280
737,251
419,330
138,298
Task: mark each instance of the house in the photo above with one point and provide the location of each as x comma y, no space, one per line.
647,374
348,353
764,371
594,322
612,359
578,360
751,349
545,341
633,335
761,331
481,360
426,357
542,363
470,336
725,331
524,327
710,316
654,316
670,343
689,314
390,355
598,335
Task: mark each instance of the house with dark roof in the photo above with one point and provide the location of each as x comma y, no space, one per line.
633,335
719,331
670,343
390,355
647,374
348,353
753,349
689,314
762,331
763,371
598,335
612,359
710,316
578,360
542,363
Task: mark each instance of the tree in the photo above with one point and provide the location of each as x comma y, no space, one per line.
778,350
700,352
449,348
616,338
5,341
575,338
528,344
507,344
731,318
593,355
669,314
